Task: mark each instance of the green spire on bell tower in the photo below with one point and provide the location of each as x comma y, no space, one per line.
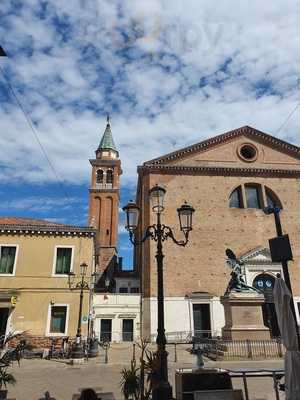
107,141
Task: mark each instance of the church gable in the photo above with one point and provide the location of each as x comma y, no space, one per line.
242,148
257,256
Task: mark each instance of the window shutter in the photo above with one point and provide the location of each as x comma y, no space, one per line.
63,261
7,259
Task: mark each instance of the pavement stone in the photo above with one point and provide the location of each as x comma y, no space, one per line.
35,377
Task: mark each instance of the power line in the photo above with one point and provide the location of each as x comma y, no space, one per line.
287,118
35,133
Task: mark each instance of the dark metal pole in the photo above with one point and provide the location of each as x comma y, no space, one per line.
164,389
285,270
78,335
77,351
106,355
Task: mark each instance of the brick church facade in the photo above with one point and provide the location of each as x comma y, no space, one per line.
228,179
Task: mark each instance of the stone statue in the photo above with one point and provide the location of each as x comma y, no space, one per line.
237,282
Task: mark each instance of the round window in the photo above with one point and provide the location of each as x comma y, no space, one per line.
247,152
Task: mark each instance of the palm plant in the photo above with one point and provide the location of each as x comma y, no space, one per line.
6,378
7,356
133,383
130,383
152,369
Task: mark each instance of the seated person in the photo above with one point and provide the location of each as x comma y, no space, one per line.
88,394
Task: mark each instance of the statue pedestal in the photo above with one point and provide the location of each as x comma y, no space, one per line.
243,316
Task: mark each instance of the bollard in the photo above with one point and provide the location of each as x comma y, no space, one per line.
133,352
175,352
106,347
200,362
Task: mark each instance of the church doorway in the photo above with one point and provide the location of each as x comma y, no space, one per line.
265,283
201,316
4,313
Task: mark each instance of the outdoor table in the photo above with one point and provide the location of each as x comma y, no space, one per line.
276,374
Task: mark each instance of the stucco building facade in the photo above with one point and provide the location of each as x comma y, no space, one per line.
35,298
228,179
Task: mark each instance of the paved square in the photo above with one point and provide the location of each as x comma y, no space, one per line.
34,377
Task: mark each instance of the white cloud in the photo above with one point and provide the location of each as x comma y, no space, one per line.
39,203
170,72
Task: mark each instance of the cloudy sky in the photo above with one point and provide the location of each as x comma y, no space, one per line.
169,72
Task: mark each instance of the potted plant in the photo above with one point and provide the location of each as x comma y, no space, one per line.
5,379
7,356
137,382
130,382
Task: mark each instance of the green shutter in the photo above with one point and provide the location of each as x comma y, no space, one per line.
63,260
7,259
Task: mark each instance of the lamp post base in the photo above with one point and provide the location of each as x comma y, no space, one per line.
162,392
93,349
77,351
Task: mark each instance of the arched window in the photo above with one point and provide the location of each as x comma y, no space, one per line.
235,199
272,199
253,196
99,176
109,176
250,195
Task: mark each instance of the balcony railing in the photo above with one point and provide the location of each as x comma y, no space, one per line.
221,349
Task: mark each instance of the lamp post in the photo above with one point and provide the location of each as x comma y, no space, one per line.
77,350
159,233
273,209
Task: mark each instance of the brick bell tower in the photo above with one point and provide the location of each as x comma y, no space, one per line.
104,202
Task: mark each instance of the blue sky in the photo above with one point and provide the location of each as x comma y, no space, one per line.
169,72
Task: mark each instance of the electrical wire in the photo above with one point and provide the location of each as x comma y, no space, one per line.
287,119
34,132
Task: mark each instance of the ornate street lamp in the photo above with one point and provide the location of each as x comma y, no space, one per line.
132,216
77,350
159,233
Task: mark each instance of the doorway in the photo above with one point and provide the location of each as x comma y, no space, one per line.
127,331
201,316
105,330
4,313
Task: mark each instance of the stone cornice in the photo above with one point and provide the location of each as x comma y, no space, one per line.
103,162
221,171
246,131
46,230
